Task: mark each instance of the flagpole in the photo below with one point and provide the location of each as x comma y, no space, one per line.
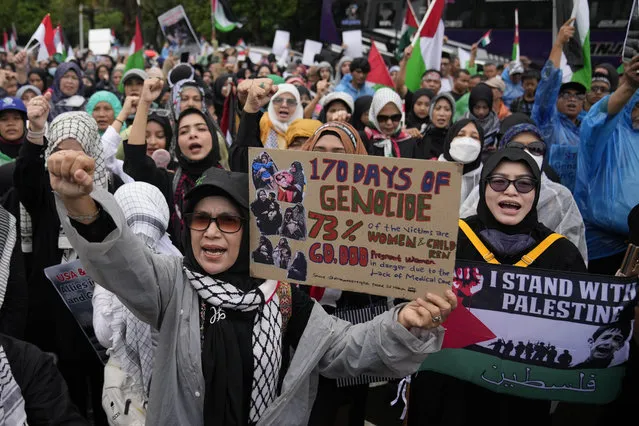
517,34
431,6
213,34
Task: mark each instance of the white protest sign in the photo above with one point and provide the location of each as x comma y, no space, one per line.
255,57
100,41
353,42
464,57
311,48
281,41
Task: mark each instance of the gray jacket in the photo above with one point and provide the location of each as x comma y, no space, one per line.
155,288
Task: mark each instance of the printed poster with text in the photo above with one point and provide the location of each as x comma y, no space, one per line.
540,334
367,224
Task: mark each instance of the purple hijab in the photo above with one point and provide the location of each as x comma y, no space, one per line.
62,69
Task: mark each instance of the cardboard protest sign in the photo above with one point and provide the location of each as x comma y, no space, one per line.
538,334
353,41
177,29
76,289
631,42
367,224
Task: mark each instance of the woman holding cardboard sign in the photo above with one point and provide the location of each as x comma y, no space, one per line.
224,352
504,231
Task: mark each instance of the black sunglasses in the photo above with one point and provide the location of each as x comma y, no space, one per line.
523,185
395,118
535,148
227,223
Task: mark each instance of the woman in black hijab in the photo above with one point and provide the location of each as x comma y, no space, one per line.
219,94
360,113
480,109
417,116
441,113
506,224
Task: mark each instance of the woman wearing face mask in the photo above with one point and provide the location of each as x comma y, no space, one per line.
195,150
417,118
68,90
463,145
225,337
385,136
506,225
442,110
557,208
480,109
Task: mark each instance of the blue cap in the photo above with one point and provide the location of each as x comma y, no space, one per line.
13,104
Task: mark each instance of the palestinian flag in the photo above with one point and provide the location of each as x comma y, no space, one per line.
575,60
515,54
60,44
538,334
409,27
379,72
223,17
13,40
136,51
427,53
485,40
5,42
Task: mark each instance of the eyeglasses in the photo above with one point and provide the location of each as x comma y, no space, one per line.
535,148
395,118
568,96
289,102
596,89
227,223
522,185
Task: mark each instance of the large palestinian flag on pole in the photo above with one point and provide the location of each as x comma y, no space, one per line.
427,51
575,61
538,334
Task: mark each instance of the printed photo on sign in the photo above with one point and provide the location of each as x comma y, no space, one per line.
291,183
282,254
294,223
298,270
375,225
264,252
267,213
539,334
264,170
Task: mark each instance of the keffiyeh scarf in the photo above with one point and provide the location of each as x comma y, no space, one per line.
266,334
82,128
12,410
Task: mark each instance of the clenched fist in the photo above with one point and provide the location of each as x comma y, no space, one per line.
71,174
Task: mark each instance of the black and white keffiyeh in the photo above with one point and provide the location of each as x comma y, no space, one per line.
7,243
12,411
79,126
266,336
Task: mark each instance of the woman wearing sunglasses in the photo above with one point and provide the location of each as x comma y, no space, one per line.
505,228
284,108
557,208
384,135
224,351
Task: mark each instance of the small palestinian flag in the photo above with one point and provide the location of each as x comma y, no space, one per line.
485,40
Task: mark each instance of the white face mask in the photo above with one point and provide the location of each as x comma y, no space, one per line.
464,149
539,159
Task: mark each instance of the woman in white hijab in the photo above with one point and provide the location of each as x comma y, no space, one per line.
130,342
284,108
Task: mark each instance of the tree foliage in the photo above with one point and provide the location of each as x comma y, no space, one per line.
260,18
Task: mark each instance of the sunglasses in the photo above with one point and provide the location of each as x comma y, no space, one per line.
535,148
227,223
289,102
568,96
523,185
395,118
595,89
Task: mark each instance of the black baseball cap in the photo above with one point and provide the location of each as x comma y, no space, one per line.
216,181
573,85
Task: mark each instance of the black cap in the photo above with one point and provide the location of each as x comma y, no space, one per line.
217,181
573,85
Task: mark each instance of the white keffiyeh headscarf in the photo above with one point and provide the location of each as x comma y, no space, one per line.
81,127
11,402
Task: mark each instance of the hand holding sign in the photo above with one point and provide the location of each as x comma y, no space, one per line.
429,312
